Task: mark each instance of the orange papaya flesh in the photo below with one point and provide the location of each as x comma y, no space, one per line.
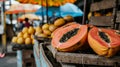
66,25
103,41
79,46
81,33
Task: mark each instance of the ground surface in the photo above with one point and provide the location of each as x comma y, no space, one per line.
10,60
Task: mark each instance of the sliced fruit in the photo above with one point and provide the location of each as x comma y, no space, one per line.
104,41
69,37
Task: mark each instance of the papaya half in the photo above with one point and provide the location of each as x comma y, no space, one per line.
69,37
64,26
104,41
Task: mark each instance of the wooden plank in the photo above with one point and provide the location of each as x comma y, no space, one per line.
105,4
101,21
118,17
44,60
80,58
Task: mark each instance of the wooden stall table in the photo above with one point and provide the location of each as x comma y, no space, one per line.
47,56
25,56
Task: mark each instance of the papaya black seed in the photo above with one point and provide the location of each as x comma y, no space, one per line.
104,36
68,35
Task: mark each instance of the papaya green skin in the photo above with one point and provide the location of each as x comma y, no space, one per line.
100,46
69,46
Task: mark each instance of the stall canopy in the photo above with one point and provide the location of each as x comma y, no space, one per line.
29,16
21,8
48,3
67,9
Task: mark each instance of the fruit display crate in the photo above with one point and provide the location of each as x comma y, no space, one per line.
41,56
84,57
102,7
25,58
103,21
16,47
104,4
117,25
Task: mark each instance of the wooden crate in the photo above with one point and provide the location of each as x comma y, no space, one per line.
117,22
103,21
28,58
26,54
104,4
41,57
84,58
28,63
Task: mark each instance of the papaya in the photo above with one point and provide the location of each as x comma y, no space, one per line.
31,30
28,41
64,26
20,34
38,29
69,37
68,18
20,40
89,15
109,14
14,39
104,42
45,27
59,22
52,27
97,14
25,29
42,35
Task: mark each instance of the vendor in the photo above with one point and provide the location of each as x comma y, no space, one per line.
26,23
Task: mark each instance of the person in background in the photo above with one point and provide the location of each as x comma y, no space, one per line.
26,23
21,25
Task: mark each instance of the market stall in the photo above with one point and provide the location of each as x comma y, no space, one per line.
88,57
65,42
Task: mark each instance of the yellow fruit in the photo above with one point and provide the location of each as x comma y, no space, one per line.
45,27
38,29
89,15
20,34
36,33
51,35
69,18
109,14
97,14
42,35
28,41
20,40
14,40
33,42
31,30
59,22
47,32
52,27
26,35
32,37
25,29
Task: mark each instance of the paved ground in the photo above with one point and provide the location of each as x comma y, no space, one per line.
8,61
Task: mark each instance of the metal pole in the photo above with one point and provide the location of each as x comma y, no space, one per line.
84,16
42,11
47,10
